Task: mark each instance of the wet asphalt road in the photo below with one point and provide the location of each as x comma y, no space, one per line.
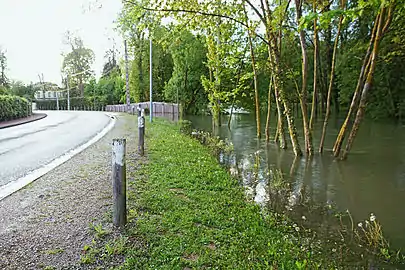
29,146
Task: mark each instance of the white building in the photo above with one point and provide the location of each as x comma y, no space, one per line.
49,94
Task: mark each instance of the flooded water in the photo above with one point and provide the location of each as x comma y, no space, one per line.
372,180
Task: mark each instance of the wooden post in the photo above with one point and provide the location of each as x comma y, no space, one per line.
141,131
119,182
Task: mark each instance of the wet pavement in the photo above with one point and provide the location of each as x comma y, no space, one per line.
26,147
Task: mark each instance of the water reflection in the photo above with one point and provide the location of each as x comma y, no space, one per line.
372,180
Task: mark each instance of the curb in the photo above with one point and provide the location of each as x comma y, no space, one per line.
26,121
18,184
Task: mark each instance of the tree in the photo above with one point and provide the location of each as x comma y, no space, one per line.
111,65
78,63
3,65
189,54
18,88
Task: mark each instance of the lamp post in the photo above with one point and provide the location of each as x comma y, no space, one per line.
68,88
150,78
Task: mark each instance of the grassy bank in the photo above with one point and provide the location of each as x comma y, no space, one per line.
187,212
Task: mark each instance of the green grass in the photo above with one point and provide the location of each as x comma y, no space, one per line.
192,214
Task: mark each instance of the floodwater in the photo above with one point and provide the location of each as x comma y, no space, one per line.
371,180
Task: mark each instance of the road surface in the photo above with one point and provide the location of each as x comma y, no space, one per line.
29,146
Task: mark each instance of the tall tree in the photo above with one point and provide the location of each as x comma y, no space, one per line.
78,62
3,65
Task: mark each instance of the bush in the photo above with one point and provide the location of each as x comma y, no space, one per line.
76,103
185,127
13,107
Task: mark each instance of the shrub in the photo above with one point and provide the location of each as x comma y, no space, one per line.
76,103
185,127
12,107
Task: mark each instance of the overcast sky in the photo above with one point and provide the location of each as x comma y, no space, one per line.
32,33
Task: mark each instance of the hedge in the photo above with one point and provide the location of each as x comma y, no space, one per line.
13,107
76,103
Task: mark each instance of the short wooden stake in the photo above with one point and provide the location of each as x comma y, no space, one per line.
141,131
119,182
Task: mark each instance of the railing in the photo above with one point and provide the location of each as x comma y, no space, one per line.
160,109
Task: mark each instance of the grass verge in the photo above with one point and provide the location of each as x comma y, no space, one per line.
186,212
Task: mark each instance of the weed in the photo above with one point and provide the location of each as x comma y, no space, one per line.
99,231
116,247
88,255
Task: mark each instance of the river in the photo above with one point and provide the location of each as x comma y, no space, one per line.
372,180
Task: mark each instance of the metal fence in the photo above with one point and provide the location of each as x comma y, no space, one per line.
160,109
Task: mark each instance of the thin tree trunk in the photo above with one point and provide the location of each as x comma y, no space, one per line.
303,95
314,93
280,134
252,56
268,110
331,79
230,115
364,70
287,108
366,88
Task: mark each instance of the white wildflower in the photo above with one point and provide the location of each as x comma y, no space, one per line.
372,217
297,229
304,218
360,224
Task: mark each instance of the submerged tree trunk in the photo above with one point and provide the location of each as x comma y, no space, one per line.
257,102
268,110
303,95
252,56
331,79
367,85
287,106
280,134
315,89
364,70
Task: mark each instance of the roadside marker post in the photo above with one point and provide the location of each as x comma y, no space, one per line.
141,131
119,182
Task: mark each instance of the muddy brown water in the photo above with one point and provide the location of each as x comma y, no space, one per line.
372,180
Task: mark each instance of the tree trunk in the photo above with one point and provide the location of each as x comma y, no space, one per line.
331,79
268,110
280,134
366,88
140,69
230,115
257,102
314,93
252,56
287,108
303,95
364,69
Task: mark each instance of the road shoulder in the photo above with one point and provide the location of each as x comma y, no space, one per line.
50,222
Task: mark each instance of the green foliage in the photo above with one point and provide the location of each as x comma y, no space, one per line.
108,90
98,230
3,66
20,89
79,103
13,107
189,54
78,63
185,127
